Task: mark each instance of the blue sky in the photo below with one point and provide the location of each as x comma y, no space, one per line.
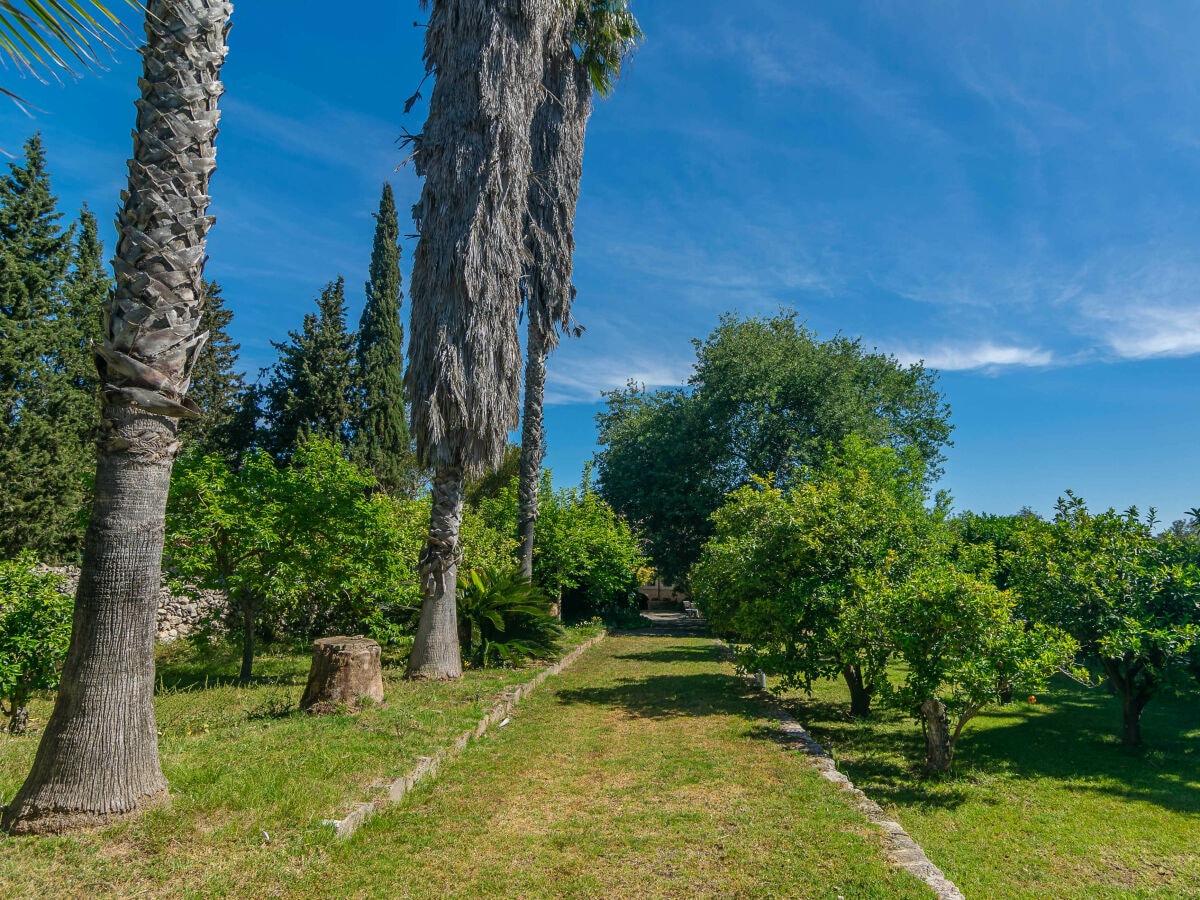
1010,191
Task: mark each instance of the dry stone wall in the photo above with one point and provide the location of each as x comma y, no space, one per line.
178,616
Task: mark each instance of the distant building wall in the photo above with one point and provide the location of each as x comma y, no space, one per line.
662,596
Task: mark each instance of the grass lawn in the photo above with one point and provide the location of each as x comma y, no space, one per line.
241,761
1045,802
647,770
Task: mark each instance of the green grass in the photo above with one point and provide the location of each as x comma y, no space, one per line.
647,770
242,760
1044,802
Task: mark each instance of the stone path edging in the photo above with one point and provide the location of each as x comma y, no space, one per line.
902,850
427,768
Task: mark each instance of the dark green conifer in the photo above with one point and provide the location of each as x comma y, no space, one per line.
217,386
381,440
42,460
309,391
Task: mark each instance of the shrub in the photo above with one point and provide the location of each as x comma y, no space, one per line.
35,630
585,555
503,619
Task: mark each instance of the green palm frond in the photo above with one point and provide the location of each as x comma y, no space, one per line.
42,34
504,619
606,33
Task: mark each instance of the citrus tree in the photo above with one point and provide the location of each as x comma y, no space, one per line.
35,628
963,646
1119,591
799,580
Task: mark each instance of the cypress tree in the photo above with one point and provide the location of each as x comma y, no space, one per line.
381,440
309,392
217,385
88,286
41,483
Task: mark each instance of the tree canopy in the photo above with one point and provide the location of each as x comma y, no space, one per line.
767,398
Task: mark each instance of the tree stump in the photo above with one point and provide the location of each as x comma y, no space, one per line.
344,669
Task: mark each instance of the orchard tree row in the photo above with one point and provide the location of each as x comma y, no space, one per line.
790,487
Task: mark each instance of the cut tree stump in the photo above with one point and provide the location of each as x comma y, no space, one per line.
344,670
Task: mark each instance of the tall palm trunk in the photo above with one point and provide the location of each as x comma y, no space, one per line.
463,376
557,135
533,445
436,652
98,758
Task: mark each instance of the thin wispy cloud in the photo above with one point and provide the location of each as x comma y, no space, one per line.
581,377
985,356
326,134
1148,311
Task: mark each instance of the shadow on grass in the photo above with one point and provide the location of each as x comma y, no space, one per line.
195,668
1076,739
179,680
668,696
1071,738
699,653
882,754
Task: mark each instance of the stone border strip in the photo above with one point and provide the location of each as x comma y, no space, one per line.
902,850
428,766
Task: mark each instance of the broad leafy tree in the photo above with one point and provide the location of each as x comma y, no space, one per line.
587,558
585,50
35,625
1120,592
464,355
964,646
381,439
98,758
767,398
301,543
799,580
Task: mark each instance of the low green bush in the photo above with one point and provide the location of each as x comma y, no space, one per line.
35,630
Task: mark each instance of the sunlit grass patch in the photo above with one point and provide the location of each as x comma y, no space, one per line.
1044,801
252,778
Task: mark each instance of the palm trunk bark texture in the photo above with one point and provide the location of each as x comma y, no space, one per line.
557,136
464,355
98,758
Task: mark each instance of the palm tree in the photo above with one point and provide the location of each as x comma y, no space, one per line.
98,758
464,355
584,54
50,33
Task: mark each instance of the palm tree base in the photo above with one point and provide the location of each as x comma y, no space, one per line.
31,819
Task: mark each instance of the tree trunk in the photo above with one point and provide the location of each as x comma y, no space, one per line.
18,721
98,758
249,613
343,671
1123,675
532,445
938,753
435,652
556,139
1132,705
860,697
